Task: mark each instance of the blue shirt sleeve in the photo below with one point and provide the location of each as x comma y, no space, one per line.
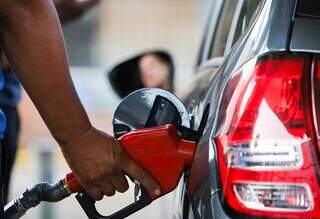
2,116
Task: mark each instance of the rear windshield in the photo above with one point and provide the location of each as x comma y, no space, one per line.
309,8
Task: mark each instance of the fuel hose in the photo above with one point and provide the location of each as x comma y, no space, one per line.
39,193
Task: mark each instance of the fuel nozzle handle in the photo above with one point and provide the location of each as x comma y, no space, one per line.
157,150
162,151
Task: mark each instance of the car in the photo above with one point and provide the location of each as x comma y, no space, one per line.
255,100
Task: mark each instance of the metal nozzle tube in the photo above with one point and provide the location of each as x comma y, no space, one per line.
34,196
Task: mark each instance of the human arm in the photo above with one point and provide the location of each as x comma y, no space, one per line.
32,40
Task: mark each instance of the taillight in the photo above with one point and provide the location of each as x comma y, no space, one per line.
268,164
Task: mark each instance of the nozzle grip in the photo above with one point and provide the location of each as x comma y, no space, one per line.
88,205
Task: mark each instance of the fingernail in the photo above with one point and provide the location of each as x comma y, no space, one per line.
157,192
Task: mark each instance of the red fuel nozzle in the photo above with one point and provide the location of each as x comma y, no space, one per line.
158,150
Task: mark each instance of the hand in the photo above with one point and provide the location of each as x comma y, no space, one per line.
71,9
100,165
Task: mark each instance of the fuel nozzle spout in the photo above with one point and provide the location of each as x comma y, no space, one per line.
34,196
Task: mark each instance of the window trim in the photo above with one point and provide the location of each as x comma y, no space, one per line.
204,58
213,35
214,18
207,29
233,27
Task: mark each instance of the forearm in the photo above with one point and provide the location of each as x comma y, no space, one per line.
32,40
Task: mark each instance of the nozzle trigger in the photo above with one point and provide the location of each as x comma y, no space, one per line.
88,205
137,190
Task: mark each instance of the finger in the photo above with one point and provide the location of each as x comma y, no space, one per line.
135,171
106,187
94,192
120,183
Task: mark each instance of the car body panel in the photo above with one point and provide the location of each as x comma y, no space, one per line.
305,35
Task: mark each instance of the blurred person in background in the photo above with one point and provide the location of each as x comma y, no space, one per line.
152,69
156,71
31,38
10,95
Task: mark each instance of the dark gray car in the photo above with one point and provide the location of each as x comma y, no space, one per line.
258,92
252,114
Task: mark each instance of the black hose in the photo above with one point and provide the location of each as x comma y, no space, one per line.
33,197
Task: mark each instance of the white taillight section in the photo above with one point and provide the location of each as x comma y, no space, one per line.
265,154
272,197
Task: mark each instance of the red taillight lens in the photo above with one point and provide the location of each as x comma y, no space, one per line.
266,157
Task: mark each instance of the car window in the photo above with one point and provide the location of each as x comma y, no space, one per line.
204,38
223,35
248,12
223,28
